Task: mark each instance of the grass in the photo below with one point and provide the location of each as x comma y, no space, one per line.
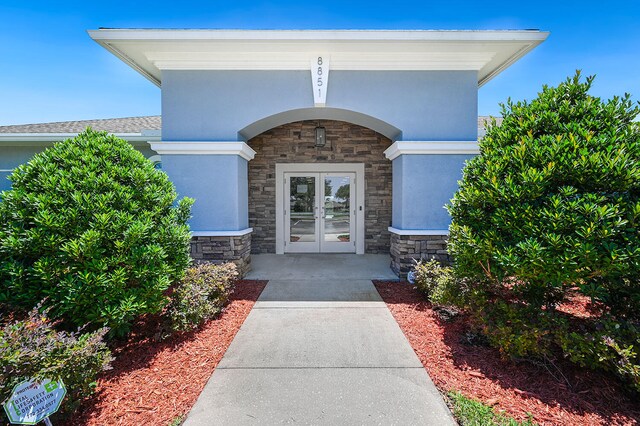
177,421
469,412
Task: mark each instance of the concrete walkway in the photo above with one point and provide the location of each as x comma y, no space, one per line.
320,347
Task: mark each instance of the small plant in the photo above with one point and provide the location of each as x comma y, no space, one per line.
437,282
201,295
33,349
91,225
177,421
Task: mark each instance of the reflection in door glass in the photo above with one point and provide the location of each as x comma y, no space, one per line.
337,199
301,206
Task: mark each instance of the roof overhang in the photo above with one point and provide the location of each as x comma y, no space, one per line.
151,51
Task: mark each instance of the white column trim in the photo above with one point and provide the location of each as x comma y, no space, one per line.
203,148
221,233
418,231
431,147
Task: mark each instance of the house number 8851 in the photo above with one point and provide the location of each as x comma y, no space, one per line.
319,70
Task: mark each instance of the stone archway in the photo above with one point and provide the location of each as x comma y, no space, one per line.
295,143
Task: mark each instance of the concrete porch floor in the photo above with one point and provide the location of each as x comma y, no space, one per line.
320,266
320,347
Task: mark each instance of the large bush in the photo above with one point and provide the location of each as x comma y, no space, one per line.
33,349
91,226
551,208
201,295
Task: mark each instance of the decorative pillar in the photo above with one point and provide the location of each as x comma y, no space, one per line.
215,174
425,177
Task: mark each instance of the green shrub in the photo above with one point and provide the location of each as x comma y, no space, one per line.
437,282
32,348
604,344
552,203
201,295
91,226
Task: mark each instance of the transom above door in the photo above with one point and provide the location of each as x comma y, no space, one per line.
320,208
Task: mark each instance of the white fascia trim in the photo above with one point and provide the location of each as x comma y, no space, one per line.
55,137
204,148
221,233
418,231
431,147
112,34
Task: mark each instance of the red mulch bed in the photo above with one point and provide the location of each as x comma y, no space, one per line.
152,382
518,388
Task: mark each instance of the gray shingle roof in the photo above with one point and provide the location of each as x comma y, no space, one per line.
123,125
111,125
483,120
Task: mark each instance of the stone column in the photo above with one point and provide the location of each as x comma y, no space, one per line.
406,250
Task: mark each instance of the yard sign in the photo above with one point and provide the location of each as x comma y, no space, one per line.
32,401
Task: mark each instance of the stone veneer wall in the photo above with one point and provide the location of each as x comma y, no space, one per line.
294,143
407,248
223,249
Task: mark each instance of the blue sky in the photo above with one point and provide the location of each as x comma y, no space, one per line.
50,70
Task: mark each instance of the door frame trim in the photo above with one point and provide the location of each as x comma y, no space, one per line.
357,168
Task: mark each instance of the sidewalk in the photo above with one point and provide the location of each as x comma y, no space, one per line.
320,347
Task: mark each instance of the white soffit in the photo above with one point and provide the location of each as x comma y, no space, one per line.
151,51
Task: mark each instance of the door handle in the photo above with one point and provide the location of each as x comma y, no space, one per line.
315,214
323,213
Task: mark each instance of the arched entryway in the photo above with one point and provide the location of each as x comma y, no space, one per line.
348,146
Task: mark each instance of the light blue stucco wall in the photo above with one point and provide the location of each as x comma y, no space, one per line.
4,181
11,157
422,186
433,105
218,183
216,105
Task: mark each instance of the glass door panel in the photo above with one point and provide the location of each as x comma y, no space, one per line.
302,207
337,199
302,221
337,215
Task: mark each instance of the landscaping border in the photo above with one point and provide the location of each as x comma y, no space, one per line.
157,382
457,362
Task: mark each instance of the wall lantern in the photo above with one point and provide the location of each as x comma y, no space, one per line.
321,137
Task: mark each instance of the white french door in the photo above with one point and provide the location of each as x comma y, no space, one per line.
320,212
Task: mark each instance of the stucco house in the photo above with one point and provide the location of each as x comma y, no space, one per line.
305,141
